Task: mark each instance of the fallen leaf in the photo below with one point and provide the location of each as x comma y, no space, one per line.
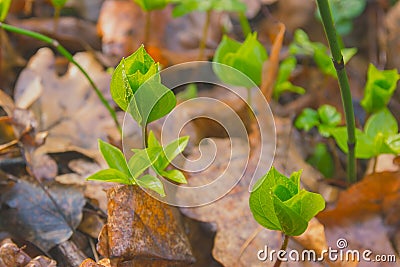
68,107
28,212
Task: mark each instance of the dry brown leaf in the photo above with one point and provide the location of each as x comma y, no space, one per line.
144,233
68,107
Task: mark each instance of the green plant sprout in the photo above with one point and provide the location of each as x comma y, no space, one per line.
380,136
4,8
344,12
322,160
148,6
137,89
339,64
58,5
190,92
61,49
187,6
379,88
302,45
247,57
326,118
278,203
282,83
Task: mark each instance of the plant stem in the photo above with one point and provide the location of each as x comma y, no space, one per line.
57,11
244,23
144,136
147,28
283,247
333,40
203,40
70,58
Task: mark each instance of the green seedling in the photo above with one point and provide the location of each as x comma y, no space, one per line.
326,118
302,45
322,160
190,92
344,12
148,6
136,88
247,57
4,8
278,203
187,6
380,136
58,5
379,88
282,84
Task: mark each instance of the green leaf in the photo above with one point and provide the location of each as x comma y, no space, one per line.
383,123
364,145
58,3
379,88
394,143
248,58
328,115
130,74
151,102
307,119
282,83
142,160
322,160
151,182
4,8
168,153
187,6
344,12
114,157
149,5
190,92
174,175
277,203
111,175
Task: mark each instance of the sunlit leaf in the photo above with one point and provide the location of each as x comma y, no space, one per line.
111,175
4,8
114,157
151,182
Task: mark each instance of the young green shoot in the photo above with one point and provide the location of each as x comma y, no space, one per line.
58,5
282,83
247,57
137,89
148,6
187,6
338,62
379,88
278,203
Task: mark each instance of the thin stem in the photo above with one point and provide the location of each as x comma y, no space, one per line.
147,29
283,247
57,11
70,58
334,44
375,164
203,40
244,23
144,136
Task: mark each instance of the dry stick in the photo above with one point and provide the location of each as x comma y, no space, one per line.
70,58
271,66
283,247
329,27
249,240
203,40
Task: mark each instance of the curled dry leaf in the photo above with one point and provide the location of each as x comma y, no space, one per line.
12,255
28,211
143,238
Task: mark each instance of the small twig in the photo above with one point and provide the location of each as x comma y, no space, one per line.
93,248
9,144
283,247
249,240
70,58
375,164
